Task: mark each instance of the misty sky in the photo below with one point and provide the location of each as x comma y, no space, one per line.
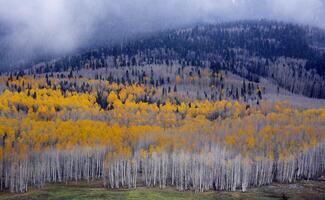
28,26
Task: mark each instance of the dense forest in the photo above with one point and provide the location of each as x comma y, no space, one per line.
72,129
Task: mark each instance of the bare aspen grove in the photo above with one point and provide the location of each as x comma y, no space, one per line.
63,128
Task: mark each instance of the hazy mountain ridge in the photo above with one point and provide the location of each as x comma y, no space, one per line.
288,54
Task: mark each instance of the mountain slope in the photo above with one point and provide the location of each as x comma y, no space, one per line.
291,56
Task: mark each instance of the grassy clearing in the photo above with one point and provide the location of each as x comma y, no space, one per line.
309,190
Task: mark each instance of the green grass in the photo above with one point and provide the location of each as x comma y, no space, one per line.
309,190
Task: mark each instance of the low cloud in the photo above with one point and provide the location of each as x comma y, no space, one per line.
34,27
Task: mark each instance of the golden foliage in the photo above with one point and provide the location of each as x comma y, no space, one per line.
42,117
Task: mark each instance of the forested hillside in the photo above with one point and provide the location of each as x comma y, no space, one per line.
185,108
71,129
286,54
